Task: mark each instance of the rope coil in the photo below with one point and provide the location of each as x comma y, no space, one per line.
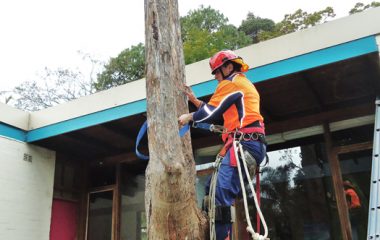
238,149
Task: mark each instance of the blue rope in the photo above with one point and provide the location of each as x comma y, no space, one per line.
142,132
205,126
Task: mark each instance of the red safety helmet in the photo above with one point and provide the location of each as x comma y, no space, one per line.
222,57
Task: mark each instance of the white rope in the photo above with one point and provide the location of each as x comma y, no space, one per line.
211,200
255,236
211,203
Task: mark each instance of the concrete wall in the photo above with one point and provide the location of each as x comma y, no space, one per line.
26,180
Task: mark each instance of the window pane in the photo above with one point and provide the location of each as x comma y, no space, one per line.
296,195
133,220
100,216
356,173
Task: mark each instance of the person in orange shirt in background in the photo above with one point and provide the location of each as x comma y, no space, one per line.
355,210
353,200
236,102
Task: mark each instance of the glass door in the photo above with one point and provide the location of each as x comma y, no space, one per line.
356,173
100,216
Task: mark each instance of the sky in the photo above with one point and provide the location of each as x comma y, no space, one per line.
49,33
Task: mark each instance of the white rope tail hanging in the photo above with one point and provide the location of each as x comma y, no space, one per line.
255,236
211,200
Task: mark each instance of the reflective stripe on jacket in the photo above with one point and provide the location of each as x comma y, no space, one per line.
235,101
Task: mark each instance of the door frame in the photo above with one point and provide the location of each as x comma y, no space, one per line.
115,201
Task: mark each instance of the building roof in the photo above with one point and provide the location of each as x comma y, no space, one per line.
322,45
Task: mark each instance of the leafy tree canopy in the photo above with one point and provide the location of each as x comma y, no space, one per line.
128,66
297,21
253,25
360,7
207,19
206,31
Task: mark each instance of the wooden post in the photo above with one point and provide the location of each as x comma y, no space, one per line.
338,185
170,199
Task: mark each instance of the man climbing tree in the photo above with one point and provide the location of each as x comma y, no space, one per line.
170,199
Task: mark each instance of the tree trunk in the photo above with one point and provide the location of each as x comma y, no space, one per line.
170,199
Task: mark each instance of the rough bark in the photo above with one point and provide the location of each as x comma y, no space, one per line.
170,198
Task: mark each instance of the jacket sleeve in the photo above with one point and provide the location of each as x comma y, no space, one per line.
225,95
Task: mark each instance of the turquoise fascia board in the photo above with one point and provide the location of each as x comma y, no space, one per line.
87,120
299,63
287,66
314,59
12,132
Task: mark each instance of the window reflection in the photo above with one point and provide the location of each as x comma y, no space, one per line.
100,216
296,193
132,186
296,186
356,174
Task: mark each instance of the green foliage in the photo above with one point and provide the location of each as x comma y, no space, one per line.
229,37
253,25
206,19
128,66
297,21
206,31
202,44
360,7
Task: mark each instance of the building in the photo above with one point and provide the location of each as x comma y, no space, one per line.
70,172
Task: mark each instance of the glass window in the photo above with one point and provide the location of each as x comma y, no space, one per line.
203,158
356,174
132,186
100,216
296,194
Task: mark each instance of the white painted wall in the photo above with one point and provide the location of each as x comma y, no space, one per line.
26,190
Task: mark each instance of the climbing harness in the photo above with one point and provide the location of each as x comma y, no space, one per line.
246,159
238,149
239,153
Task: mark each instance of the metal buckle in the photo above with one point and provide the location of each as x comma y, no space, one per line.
255,136
247,136
238,135
217,128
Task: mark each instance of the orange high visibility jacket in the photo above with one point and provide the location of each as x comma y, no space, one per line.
354,201
235,101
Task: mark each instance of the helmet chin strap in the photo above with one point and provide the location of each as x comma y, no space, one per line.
225,77
229,74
